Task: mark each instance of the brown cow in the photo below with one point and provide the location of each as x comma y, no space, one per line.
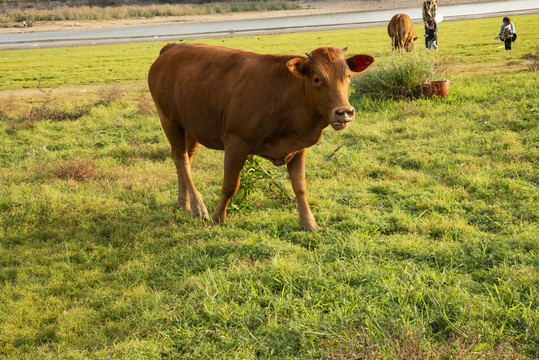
401,32
274,106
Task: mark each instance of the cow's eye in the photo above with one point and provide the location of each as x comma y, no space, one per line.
316,80
349,77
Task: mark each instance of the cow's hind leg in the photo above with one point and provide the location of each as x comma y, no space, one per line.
183,149
183,194
234,160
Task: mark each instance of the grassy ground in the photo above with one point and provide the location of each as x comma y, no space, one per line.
428,248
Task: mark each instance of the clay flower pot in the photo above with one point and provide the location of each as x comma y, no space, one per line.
436,88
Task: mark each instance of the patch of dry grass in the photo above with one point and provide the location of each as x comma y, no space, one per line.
412,345
77,169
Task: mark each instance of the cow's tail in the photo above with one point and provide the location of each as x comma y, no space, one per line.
400,32
400,22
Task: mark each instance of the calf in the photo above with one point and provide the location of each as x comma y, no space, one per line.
274,106
401,32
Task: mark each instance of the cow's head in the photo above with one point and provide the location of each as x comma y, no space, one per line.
410,45
327,74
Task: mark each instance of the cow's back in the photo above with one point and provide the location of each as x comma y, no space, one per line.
400,29
186,89
209,90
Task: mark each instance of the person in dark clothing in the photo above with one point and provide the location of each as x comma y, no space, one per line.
507,33
432,36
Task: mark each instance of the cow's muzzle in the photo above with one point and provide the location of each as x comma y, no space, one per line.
342,117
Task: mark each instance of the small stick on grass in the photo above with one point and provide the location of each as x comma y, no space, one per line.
328,157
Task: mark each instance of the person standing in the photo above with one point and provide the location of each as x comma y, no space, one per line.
432,36
507,33
429,14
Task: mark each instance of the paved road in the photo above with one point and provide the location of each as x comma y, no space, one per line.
174,32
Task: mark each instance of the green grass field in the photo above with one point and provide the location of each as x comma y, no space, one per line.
429,241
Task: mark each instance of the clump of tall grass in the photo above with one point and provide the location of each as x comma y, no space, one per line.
63,13
399,77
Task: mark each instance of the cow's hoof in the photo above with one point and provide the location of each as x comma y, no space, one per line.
216,220
199,212
310,226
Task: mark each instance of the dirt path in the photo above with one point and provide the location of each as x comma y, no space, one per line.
307,7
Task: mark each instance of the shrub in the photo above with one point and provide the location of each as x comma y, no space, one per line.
399,77
44,112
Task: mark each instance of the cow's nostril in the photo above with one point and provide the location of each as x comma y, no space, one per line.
345,114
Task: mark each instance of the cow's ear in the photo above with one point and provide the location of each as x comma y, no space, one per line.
297,67
359,63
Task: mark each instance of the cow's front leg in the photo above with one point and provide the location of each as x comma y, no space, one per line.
234,161
296,170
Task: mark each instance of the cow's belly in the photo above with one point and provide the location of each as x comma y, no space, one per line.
278,159
203,124
211,142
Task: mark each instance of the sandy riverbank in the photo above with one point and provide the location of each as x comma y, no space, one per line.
307,7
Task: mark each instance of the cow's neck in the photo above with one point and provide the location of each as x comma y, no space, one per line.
300,126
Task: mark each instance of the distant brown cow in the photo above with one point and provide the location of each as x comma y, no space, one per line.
244,103
401,32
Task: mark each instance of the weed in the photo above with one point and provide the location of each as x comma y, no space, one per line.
44,112
145,104
8,106
256,176
110,94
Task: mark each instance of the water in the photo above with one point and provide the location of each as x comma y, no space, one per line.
213,29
